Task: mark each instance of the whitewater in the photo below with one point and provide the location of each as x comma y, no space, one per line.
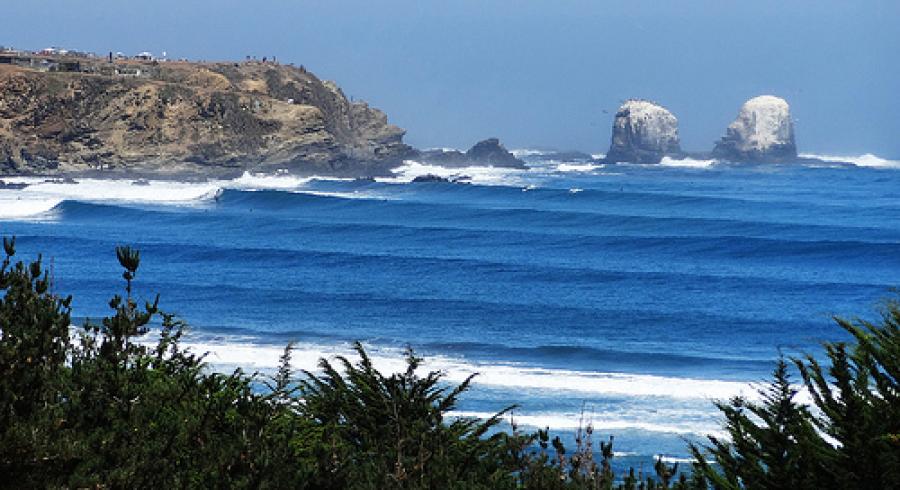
632,295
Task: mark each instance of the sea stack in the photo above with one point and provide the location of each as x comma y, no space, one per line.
643,132
762,132
490,152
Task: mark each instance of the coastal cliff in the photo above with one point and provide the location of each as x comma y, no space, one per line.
177,118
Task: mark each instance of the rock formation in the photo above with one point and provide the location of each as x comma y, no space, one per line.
762,132
643,132
181,118
487,153
432,178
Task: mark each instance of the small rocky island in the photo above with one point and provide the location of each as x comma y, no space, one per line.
643,132
487,153
762,132
83,114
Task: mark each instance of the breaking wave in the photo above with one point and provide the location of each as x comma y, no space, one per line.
577,167
681,404
691,424
41,196
474,174
687,162
247,354
277,181
865,160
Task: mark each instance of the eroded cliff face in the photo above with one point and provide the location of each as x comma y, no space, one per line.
643,132
182,118
762,132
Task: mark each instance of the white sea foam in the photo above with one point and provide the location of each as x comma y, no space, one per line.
444,149
243,352
527,152
573,421
249,181
355,194
14,205
655,403
277,181
687,162
42,196
475,174
577,167
296,184
866,160
674,459
659,404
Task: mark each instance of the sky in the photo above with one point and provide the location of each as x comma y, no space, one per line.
536,74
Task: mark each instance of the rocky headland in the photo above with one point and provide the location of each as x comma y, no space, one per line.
114,117
643,132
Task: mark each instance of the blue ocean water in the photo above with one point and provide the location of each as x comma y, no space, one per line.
634,295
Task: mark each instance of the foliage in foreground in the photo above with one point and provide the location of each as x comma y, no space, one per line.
99,408
848,439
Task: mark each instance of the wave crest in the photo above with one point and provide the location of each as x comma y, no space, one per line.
864,160
42,196
475,174
246,353
687,162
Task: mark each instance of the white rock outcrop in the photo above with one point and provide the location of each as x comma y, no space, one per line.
643,132
762,132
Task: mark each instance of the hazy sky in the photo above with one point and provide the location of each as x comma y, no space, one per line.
535,73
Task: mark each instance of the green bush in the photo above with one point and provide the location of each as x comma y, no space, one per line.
849,439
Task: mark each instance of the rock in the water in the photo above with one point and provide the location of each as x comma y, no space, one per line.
643,132
487,153
12,185
454,179
762,132
490,152
428,178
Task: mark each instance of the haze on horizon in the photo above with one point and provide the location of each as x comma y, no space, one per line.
535,73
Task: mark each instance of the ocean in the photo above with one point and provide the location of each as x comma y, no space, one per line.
629,296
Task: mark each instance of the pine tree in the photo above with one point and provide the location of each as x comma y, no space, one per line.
34,333
771,444
858,398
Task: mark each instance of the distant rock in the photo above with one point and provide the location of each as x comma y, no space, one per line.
643,132
491,153
456,179
429,178
486,153
762,132
13,186
65,180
